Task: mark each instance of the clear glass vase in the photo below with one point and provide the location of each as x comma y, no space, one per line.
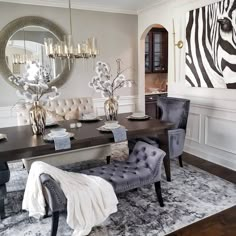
111,106
37,116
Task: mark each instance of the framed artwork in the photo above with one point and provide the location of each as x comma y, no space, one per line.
211,46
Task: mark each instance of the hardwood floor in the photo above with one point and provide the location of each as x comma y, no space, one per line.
220,224
210,167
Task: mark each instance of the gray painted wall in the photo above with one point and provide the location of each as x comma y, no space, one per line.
116,34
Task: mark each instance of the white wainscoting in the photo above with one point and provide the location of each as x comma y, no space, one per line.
211,133
126,104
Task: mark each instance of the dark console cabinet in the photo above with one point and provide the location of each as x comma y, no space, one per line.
151,105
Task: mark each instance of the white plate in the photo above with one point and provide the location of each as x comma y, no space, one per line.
114,126
103,129
92,119
51,123
47,137
138,118
138,115
58,134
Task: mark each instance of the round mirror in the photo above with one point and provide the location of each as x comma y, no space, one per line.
23,45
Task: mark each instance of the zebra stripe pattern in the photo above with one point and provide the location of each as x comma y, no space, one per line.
211,46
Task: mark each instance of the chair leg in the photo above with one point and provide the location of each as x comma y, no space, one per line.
108,159
46,211
55,219
158,192
2,209
2,197
180,161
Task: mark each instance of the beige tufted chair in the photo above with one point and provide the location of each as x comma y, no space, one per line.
61,108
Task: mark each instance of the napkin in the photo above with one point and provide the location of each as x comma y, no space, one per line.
62,143
119,134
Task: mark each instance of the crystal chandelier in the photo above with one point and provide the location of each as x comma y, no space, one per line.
66,50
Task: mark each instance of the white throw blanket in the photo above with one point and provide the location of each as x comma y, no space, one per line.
90,199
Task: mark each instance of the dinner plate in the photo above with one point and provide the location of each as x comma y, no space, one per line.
104,129
91,119
146,117
48,137
138,114
114,126
49,124
55,135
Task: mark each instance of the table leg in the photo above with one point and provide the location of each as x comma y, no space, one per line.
4,178
165,147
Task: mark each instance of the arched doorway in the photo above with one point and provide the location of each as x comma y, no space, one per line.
153,58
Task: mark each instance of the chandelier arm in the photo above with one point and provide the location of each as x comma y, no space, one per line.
70,17
24,46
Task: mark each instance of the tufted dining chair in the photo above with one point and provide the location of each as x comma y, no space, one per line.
64,109
174,110
143,167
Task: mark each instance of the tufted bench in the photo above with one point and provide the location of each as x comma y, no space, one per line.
61,108
142,167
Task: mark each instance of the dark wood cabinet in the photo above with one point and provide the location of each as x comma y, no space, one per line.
156,51
151,108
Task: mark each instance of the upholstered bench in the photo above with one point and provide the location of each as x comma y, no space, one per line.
142,167
64,109
4,178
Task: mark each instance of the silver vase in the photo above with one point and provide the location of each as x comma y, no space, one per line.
37,116
111,108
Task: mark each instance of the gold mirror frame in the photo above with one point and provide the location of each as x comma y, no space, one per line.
12,27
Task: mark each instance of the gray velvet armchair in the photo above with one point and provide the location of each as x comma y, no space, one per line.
142,167
174,110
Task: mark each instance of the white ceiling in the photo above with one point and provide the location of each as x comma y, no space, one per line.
119,6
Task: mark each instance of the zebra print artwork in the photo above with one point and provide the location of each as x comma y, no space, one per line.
211,46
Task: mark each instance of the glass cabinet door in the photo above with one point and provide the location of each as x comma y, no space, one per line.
156,51
148,54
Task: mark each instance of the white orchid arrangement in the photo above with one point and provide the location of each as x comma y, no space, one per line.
33,85
104,83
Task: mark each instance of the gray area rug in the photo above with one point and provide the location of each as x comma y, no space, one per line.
192,195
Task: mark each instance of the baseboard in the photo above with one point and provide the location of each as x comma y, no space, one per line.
209,156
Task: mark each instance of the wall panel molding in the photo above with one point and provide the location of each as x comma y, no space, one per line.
219,143
190,132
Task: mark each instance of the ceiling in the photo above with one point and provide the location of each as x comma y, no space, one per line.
119,6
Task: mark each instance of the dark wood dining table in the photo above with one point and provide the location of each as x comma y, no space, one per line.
21,142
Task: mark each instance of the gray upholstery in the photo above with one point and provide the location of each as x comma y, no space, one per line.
4,178
55,197
143,167
4,173
174,110
176,139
